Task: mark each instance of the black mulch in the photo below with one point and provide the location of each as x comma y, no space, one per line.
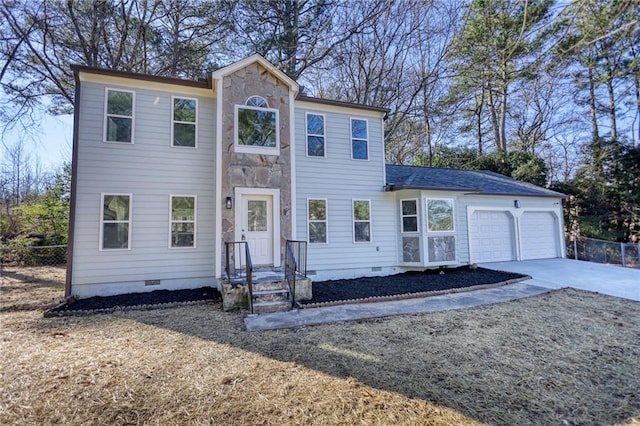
406,283
138,299
323,291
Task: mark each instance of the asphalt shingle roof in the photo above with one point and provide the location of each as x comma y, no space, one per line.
474,181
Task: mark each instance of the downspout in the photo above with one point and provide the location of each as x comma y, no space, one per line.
74,185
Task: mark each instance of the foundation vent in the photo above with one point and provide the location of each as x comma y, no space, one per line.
152,282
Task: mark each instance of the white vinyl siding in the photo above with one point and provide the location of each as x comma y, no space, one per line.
340,180
318,224
182,220
119,108
151,170
184,119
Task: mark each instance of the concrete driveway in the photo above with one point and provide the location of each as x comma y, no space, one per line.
558,273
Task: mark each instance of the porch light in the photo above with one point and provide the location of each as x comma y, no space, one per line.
516,204
229,203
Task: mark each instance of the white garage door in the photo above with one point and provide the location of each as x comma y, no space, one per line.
538,235
491,236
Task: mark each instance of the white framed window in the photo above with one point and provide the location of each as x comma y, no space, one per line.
315,135
359,139
440,217
317,221
361,221
182,221
184,121
115,221
441,242
409,215
257,127
118,115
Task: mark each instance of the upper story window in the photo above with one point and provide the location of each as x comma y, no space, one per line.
315,135
361,221
359,139
115,218
185,122
119,116
409,213
257,129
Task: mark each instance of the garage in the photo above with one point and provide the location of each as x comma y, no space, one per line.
491,236
538,235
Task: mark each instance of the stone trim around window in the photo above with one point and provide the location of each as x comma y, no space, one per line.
257,128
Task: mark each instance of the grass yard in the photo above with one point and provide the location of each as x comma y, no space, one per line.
566,357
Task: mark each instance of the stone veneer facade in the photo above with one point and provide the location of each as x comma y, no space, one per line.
256,170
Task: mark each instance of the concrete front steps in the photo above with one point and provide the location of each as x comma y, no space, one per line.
271,296
270,291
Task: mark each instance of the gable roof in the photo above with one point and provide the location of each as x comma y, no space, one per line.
480,182
230,69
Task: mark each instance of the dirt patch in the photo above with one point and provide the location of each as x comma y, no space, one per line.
566,357
427,281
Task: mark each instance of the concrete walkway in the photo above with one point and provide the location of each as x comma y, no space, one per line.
546,274
313,316
559,273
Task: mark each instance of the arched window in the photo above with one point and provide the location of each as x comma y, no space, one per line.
257,101
257,129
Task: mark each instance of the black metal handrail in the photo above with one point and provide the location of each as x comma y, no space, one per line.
295,263
233,249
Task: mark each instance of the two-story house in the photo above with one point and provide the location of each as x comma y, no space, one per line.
165,171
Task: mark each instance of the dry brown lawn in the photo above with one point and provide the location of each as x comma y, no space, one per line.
566,357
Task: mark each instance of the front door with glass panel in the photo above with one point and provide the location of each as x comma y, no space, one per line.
257,227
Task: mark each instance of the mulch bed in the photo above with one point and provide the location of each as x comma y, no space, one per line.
324,292
151,299
413,282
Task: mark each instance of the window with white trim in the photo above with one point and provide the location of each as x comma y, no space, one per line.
409,214
359,139
183,221
315,135
185,122
257,128
115,221
361,221
317,221
441,245
118,118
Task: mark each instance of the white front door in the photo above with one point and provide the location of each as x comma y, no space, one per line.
257,227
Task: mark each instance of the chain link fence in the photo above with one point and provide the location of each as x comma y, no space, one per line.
33,263
601,251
